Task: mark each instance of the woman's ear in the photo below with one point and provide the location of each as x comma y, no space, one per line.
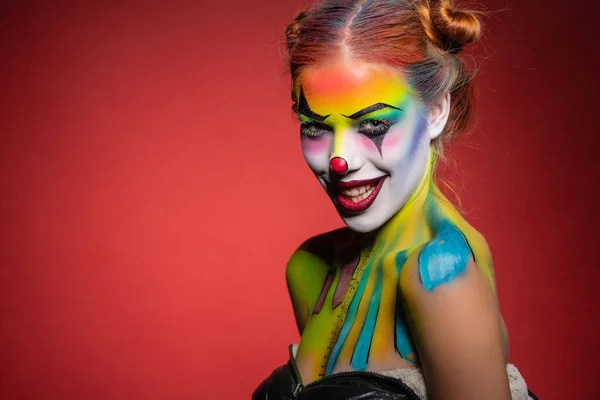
437,116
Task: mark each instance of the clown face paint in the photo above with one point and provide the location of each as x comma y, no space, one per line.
365,136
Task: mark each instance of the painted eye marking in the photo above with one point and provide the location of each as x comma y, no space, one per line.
374,127
303,108
314,129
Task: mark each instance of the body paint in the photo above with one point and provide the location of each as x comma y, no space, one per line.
444,258
349,321
402,340
360,357
346,272
326,285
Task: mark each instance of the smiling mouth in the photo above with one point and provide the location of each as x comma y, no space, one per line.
357,196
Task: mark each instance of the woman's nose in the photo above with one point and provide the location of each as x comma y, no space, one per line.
347,153
338,165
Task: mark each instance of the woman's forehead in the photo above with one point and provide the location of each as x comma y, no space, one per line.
345,88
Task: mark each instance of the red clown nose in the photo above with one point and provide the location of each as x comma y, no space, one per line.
338,165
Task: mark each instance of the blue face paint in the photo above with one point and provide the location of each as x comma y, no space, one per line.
444,258
420,129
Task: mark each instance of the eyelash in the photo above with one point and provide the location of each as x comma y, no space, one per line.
313,129
381,129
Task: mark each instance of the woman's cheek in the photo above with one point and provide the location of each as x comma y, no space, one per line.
316,152
368,144
315,146
397,143
390,142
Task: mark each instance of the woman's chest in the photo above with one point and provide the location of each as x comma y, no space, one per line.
358,322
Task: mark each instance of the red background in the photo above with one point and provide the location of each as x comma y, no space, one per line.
153,187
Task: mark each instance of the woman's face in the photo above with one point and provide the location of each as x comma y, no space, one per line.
365,136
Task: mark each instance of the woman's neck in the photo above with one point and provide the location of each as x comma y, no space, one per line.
411,225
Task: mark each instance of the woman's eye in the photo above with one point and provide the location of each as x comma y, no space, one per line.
373,127
314,130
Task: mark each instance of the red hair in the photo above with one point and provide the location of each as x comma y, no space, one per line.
420,38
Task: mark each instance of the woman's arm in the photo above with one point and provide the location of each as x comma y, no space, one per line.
457,326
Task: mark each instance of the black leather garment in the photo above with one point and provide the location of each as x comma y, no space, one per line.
363,385
285,384
282,384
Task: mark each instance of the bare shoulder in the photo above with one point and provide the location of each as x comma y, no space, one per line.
307,270
450,296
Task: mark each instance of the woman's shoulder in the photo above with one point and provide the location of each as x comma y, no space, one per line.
325,245
307,270
316,255
466,237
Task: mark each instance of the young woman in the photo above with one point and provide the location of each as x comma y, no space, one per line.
408,285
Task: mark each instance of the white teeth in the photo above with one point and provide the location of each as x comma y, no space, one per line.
358,194
357,191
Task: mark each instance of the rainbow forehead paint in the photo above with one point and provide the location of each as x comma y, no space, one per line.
339,90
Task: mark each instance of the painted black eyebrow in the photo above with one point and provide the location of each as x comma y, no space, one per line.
304,109
370,109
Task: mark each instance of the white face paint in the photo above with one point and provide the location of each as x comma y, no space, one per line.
369,117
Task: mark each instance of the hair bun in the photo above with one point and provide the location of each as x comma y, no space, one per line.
455,26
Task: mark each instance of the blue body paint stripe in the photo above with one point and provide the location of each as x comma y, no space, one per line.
444,258
360,357
400,260
350,317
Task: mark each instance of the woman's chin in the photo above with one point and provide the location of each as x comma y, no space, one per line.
364,222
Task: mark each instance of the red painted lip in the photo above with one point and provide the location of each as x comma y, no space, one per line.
365,203
351,184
